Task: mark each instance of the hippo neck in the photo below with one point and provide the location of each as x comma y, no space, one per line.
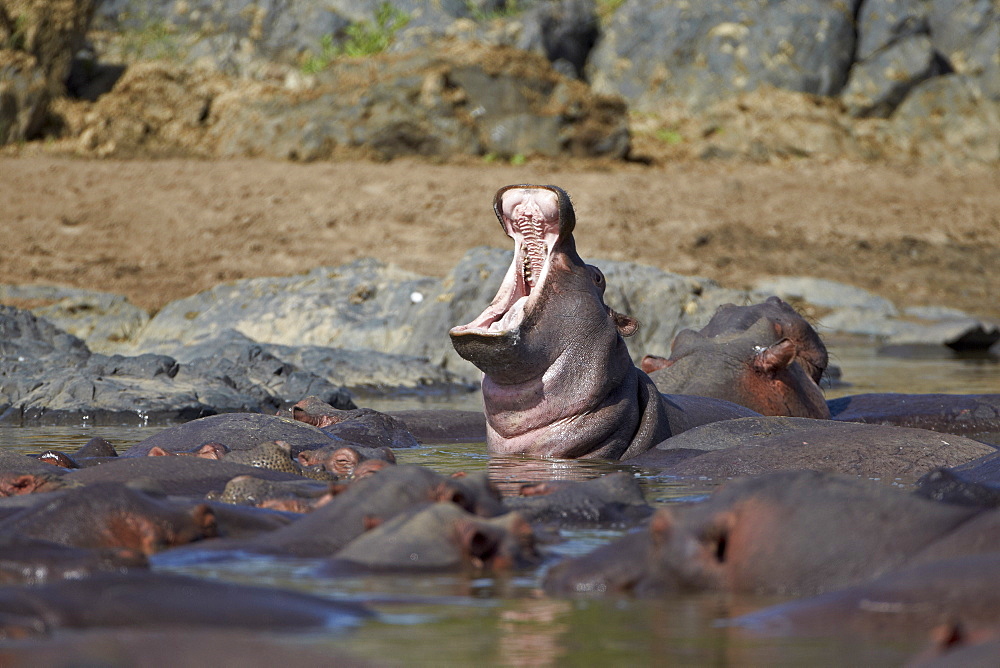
571,410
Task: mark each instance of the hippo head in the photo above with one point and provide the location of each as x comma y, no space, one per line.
756,367
558,379
521,331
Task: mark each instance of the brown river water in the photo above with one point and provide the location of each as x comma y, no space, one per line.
455,620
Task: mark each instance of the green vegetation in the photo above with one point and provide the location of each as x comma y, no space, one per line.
517,159
363,39
153,38
313,63
607,8
668,136
509,8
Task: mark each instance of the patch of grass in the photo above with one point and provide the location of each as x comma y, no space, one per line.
508,9
317,62
669,136
607,8
154,38
363,39
517,159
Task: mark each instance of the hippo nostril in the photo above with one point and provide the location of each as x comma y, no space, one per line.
720,549
482,546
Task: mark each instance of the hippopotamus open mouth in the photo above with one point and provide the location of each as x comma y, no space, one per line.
536,218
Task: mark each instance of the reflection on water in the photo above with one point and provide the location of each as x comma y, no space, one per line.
913,371
457,620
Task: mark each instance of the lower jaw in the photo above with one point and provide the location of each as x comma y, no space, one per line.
487,351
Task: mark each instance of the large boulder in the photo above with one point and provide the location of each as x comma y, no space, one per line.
50,377
948,120
102,319
700,52
370,305
878,84
251,38
967,32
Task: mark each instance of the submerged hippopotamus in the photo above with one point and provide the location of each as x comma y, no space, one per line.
763,356
558,379
789,532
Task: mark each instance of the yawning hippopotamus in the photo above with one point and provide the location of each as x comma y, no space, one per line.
558,379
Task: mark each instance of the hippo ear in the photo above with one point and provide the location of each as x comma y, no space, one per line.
651,363
157,451
20,484
775,357
626,324
204,518
661,525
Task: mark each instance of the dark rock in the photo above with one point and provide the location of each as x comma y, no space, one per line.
878,84
700,52
103,320
367,304
253,371
51,377
946,120
367,372
882,23
968,34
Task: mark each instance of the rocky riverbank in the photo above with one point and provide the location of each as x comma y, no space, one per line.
366,327
761,80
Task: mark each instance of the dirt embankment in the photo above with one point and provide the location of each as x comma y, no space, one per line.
159,230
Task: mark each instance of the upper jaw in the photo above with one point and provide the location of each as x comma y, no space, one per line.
536,218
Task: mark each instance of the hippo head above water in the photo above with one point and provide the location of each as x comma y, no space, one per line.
546,282
558,378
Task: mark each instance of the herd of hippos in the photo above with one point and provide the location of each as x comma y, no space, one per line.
739,399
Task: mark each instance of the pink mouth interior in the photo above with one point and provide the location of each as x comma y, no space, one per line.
530,216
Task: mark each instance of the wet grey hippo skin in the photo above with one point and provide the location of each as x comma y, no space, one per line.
558,379
763,356
788,532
